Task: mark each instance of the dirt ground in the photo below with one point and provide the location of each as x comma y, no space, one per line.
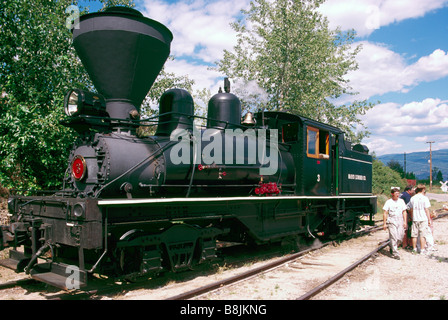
414,277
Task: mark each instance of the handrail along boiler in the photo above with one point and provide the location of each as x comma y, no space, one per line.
132,205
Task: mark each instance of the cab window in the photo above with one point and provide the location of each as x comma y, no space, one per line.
290,132
317,143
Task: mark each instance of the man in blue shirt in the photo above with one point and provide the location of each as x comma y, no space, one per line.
406,196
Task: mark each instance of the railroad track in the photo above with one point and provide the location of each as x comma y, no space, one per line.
342,273
271,266
203,291
100,290
103,288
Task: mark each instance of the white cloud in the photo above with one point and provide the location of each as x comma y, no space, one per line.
421,139
367,15
408,119
429,68
395,127
407,126
201,29
203,77
382,70
443,145
382,146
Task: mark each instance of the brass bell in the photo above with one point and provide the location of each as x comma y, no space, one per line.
249,120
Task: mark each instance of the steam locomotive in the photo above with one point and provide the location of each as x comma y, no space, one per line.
133,205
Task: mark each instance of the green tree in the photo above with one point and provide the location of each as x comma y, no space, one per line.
410,175
383,178
112,3
396,166
38,64
164,81
287,48
437,174
150,106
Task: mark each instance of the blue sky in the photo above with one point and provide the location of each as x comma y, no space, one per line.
403,63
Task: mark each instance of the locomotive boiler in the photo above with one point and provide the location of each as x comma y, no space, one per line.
134,205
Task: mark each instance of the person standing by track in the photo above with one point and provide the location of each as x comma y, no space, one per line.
421,219
394,218
406,196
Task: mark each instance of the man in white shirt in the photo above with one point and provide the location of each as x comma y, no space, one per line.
395,216
419,206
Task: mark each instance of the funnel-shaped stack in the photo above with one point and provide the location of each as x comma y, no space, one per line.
123,52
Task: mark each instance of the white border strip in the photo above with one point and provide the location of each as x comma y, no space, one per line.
112,202
362,161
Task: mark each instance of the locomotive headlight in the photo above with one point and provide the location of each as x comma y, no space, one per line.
78,210
78,102
72,103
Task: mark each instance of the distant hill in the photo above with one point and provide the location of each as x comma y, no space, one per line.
418,162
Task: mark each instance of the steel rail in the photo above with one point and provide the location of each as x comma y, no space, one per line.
339,275
244,275
336,277
221,283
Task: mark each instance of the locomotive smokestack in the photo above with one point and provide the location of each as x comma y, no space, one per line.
123,52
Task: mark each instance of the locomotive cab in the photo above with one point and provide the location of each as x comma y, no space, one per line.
313,147
326,164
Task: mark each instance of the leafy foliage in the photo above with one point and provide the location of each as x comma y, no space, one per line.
38,64
287,48
397,167
437,174
384,178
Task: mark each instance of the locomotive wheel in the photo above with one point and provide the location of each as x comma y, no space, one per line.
129,260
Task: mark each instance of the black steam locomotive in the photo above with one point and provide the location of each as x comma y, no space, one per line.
135,205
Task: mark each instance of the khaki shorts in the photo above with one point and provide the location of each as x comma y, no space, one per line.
419,227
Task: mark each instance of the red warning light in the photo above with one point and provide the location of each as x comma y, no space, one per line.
79,168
